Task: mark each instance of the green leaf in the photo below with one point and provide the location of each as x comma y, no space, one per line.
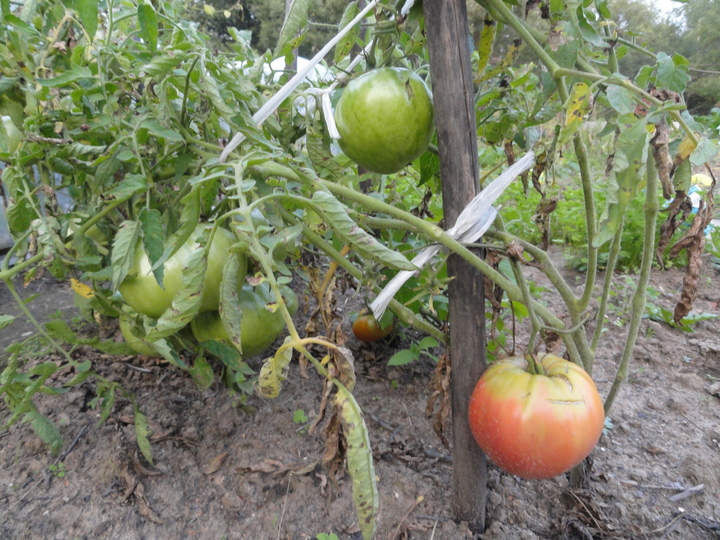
296,20
129,186
147,18
230,311
19,216
366,245
157,129
71,75
672,73
159,66
402,357
188,300
343,47
6,320
169,354
20,25
228,355
202,373
88,12
630,159
142,434
272,374
123,252
620,99
7,84
705,151
360,461
189,219
153,239
46,430
587,31
428,342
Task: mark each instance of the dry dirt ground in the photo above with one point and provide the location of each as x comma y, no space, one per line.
252,472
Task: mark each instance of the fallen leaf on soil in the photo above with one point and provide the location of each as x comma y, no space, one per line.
141,469
278,468
714,389
216,464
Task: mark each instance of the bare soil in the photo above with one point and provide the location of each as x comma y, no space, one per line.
251,472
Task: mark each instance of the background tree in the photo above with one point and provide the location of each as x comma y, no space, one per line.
264,18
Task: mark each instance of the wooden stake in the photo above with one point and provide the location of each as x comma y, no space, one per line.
451,74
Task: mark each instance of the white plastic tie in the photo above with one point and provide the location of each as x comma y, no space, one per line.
274,102
471,224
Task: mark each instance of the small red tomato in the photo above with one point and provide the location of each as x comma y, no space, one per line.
536,425
366,327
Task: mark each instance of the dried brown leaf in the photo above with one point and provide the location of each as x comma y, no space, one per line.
661,154
335,447
216,464
677,210
694,244
345,363
438,405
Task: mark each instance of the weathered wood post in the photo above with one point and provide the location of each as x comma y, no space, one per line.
451,73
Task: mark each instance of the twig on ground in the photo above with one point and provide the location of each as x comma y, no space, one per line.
398,529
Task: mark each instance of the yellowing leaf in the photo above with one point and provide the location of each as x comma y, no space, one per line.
686,147
80,288
209,10
576,108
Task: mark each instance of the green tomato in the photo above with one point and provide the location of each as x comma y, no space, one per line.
259,327
142,292
385,118
136,342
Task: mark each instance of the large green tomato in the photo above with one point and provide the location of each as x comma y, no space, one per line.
142,292
135,341
536,425
259,327
385,119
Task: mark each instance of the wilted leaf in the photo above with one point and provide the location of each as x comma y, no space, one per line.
360,462
661,154
272,373
365,244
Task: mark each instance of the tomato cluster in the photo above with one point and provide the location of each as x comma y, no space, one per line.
260,321
536,425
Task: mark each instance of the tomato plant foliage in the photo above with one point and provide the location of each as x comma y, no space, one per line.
114,117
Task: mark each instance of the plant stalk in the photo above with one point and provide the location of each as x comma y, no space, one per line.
639,298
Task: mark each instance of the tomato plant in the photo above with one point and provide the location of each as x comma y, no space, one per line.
536,425
259,326
142,292
367,328
385,119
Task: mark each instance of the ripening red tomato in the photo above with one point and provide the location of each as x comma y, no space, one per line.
536,425
367,328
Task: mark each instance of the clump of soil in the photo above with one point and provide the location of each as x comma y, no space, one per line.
253,470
